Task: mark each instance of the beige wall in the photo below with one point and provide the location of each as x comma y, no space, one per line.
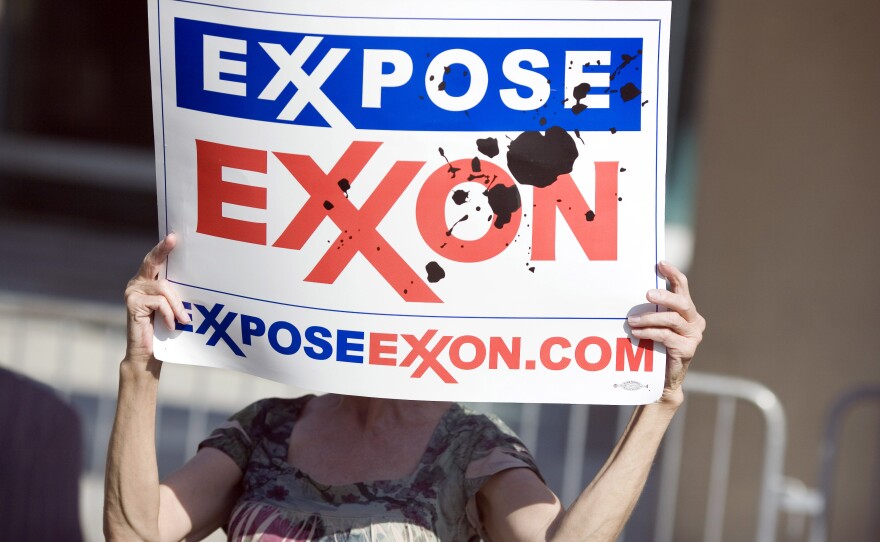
787,258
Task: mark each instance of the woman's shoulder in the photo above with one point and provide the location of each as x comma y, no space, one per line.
262,417
466,420
469,434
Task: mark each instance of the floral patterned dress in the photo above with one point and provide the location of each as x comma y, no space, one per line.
435,503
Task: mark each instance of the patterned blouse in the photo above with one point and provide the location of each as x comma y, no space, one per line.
436,502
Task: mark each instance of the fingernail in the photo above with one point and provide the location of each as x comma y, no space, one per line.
654,295
633,319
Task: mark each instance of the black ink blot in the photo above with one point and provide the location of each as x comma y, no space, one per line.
452,170
462,219
629,91
460,196
344,185
504,201
488,146
328,205
435,272
538,160
475,165
626,60
590,216
580,91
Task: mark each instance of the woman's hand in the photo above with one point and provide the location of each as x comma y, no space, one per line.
147,295
680,328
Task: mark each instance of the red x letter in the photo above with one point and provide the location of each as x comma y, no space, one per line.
429,357
358,225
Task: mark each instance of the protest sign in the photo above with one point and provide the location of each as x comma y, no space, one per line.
444,201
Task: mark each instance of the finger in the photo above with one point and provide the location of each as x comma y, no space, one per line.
154,262
677,280
668,319
174,301
160,288
159,305
683,346
673,301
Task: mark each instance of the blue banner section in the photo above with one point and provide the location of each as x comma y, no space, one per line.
416,84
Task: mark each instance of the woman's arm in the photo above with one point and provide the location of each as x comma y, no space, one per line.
516,505
197,497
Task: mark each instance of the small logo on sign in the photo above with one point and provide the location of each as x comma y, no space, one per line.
631,385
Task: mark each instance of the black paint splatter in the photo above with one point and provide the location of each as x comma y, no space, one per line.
344,185
622,169
626,61
435,272
483,176
579,93
328,205
629,91
543,121
460,196
462,219
504,201
475,165
613,130
590,216
538,160
452,170
488,146
577,134
644,103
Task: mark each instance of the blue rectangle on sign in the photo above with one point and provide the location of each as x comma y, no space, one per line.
409,83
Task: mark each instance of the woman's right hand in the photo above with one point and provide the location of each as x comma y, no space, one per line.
148,295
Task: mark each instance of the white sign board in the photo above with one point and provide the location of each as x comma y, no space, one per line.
444,201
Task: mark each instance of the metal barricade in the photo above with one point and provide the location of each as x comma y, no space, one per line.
726,392
75,347
845,403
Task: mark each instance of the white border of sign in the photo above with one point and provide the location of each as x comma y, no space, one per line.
208,272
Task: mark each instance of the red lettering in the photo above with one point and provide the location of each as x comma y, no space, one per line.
381,345
580,354
499,349
431,216
358,226
429,356
213,191
455,352
626,356
545,353
595,229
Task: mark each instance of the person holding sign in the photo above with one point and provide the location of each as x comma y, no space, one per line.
337,468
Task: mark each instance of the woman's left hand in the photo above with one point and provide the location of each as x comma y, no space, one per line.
679,328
